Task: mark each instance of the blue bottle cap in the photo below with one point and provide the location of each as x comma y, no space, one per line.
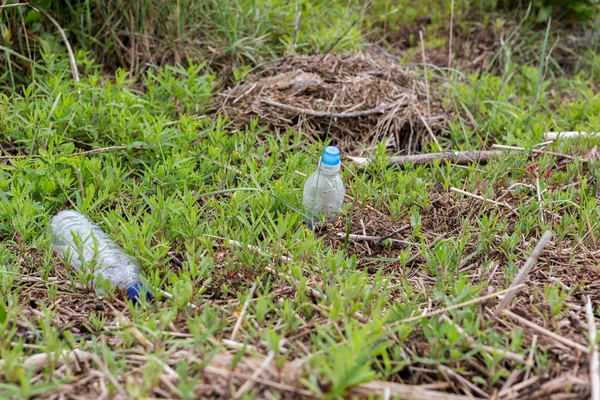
331,156
133,292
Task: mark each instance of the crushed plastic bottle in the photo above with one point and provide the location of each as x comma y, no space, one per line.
70,230
324,189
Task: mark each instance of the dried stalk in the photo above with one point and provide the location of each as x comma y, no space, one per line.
374,239
238,323
81,153
13,5
568,135
63,35
594,364
534,151
546,332
455,157
484,199
537,252
323,114
454,307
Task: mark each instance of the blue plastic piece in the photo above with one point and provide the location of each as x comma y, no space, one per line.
133,292
331,156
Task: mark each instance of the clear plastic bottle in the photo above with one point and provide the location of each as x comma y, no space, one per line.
70,230
324,189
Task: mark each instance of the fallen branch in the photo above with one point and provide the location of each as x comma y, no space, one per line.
594,364
324,114
537,252
456,157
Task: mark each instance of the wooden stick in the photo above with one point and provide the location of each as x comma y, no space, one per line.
238,323
455,157
323,114
484,199
546,332
594,363
537,252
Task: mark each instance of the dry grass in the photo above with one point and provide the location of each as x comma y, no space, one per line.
328,96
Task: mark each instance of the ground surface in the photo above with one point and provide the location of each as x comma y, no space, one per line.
397,299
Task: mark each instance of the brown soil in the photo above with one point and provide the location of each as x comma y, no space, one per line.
356,100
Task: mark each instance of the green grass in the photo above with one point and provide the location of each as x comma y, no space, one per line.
185,185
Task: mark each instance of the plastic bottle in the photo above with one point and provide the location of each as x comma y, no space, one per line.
70,230
324,189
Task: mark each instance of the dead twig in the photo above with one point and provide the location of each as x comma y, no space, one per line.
13,5
374,239
397,390
546,332
248,384
425,72
469,386
428,128
451,36
537,252
454,307
296,28
594,364
484,199
395,231
455,157
491,350
238,323
568,135
534,151
124,322
81,153
518,387
324,114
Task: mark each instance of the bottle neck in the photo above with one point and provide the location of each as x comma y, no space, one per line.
329,169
